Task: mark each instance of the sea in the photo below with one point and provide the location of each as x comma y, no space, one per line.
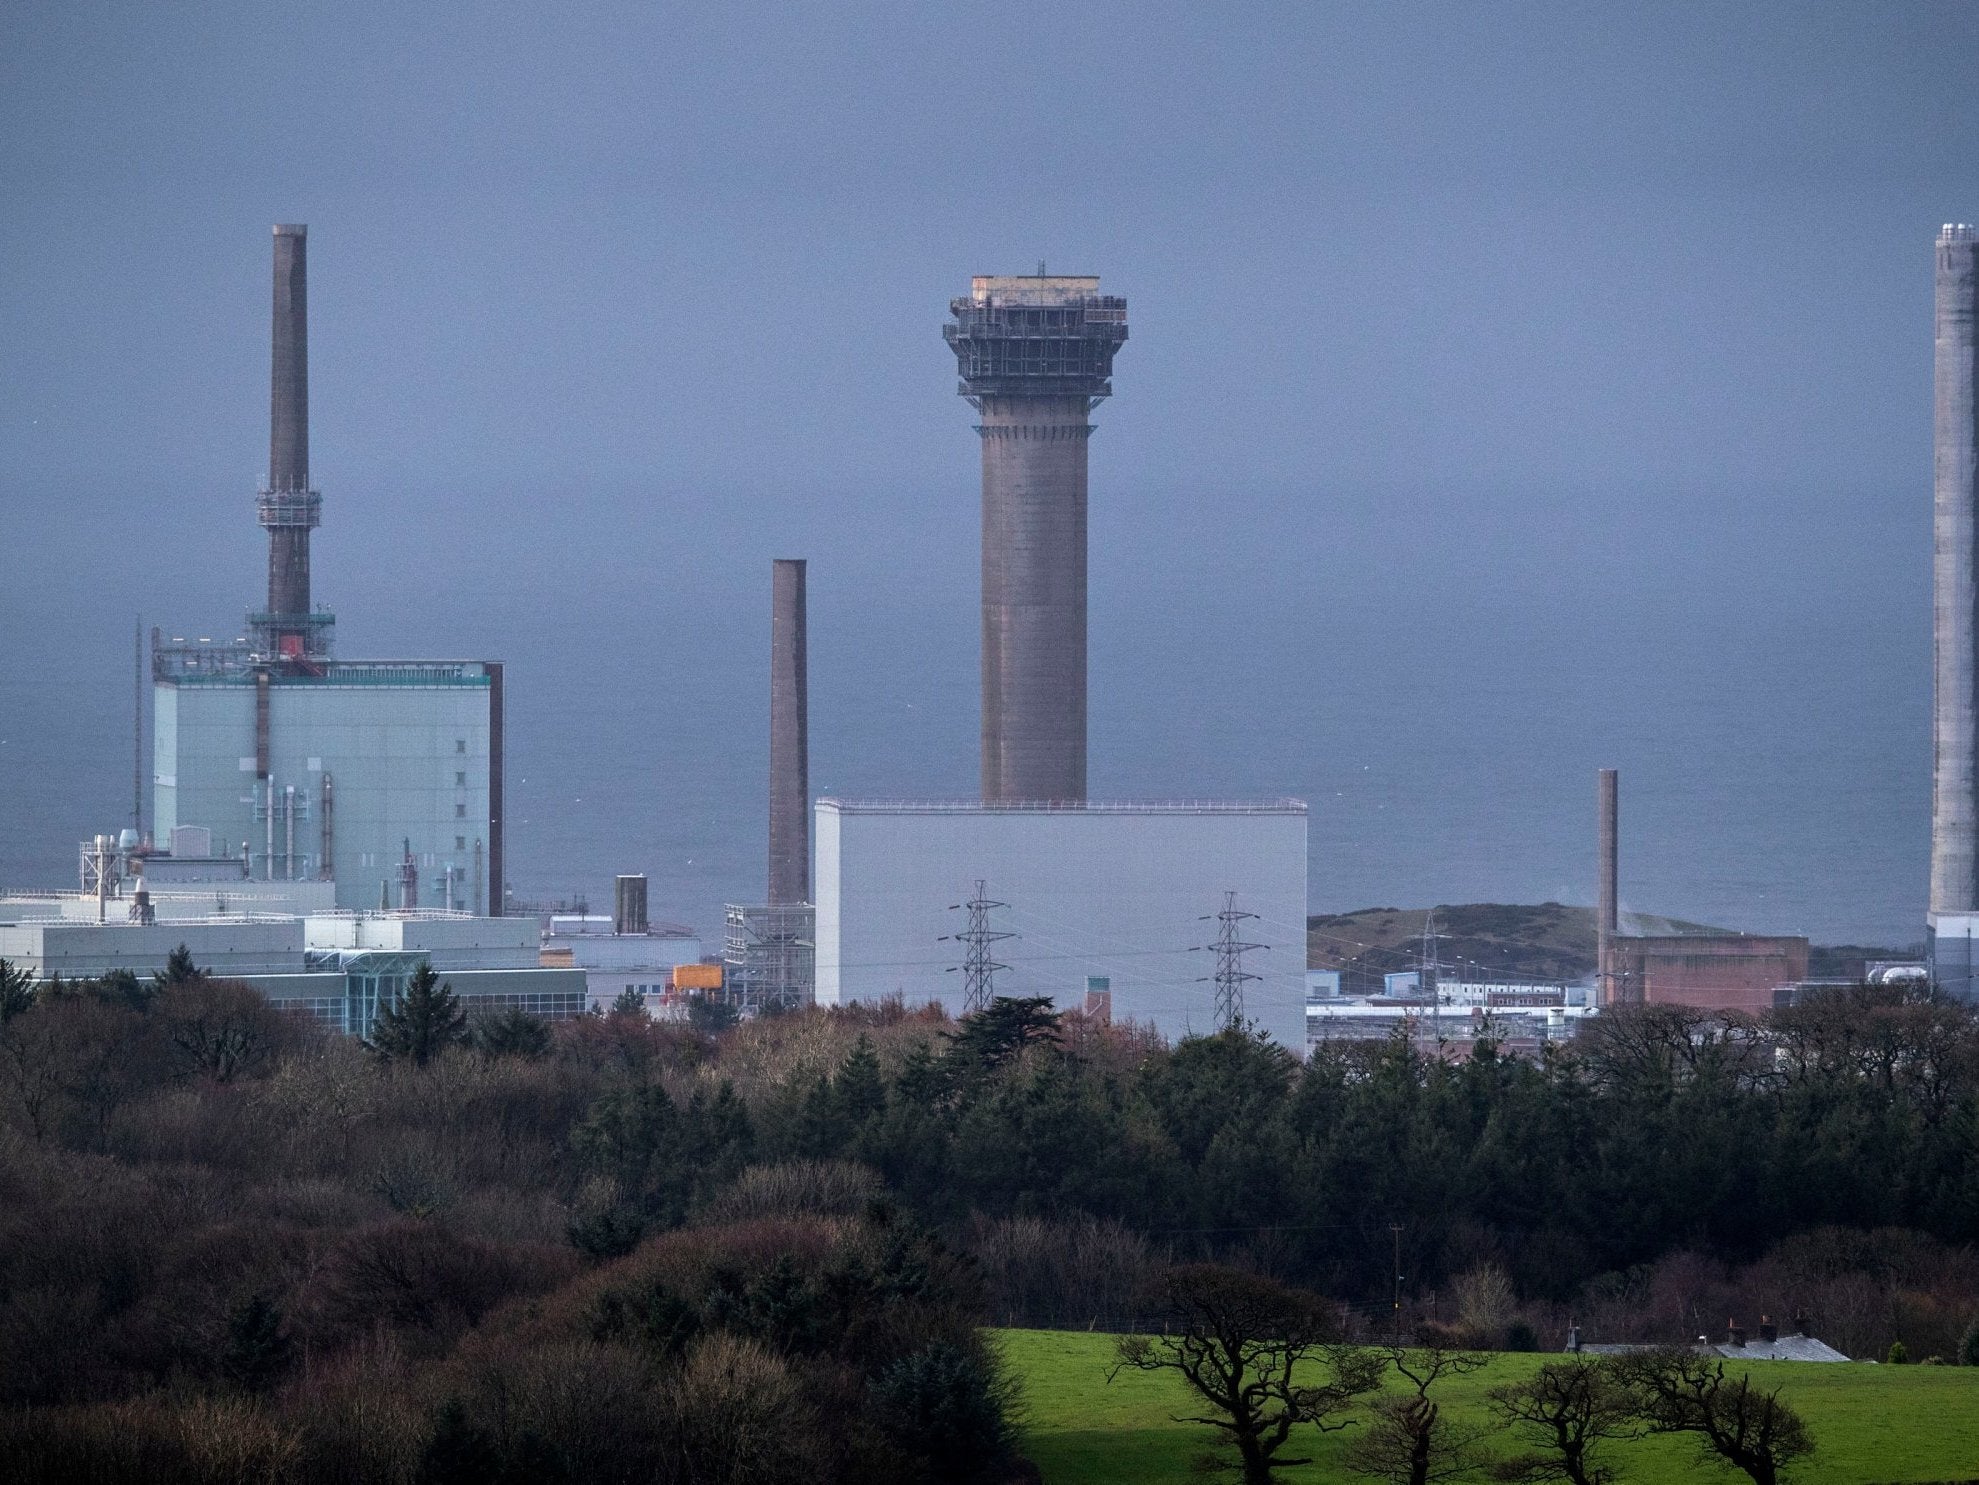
1439,677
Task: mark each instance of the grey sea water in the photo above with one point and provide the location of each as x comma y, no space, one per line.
1439,677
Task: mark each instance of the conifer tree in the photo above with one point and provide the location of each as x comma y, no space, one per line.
426,1021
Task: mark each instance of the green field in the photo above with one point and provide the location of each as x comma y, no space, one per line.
1871,1423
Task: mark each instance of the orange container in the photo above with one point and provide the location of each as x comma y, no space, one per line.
697,977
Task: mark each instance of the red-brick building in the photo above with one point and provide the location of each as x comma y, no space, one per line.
1712,971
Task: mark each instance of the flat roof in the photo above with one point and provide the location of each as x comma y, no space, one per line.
1046,807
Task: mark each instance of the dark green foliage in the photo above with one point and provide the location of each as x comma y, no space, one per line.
123,988
1898,1355
16,991
179,969
663,1158
611,1233
857,1087
1520,1336
258,1349
709,1016
424,1022
512,1033
1968,1346
949,1409
459,1452
993,1036
628,1003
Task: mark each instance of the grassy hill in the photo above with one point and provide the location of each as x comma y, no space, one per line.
1871,1424
1547,941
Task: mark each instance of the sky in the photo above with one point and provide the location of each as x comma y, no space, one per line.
1512,390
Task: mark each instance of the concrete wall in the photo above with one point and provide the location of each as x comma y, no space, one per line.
231,949
1114,891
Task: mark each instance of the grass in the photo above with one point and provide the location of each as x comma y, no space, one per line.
1871,1424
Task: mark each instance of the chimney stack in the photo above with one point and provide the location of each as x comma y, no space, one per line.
288,507
1734,1333
1606,914
1768,1331
629,909
1955,633
790,757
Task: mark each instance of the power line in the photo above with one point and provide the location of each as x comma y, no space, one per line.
978,968
1230,972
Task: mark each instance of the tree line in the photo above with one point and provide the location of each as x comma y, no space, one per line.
211,1212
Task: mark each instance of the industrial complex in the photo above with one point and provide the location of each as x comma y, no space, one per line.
383,777
320,825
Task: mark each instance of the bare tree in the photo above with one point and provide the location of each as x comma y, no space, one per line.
1409,1441
1250,1348
1748,1427
1567,1410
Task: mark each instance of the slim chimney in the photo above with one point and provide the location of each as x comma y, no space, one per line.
289,508
1606,917
790,757
1955,633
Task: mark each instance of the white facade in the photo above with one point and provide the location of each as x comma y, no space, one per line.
227,948
241,898
616,962
449,941
1124,892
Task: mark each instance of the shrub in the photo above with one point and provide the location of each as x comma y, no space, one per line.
1898,1356
1968,1347
949,1409
739,1416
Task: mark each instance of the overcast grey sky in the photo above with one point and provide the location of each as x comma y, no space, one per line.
1573,344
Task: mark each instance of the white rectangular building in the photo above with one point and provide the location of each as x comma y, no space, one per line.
1127,893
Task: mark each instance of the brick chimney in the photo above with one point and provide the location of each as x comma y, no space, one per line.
1734,1333
1768,1331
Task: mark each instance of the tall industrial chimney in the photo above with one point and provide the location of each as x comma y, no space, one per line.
1954,787
790,757
1606,911
1036,357
289,508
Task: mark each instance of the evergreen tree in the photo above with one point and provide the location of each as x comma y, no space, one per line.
999,1032
513,1033
425,1022
857,1088
179,969
16,991
629,1003
257,1349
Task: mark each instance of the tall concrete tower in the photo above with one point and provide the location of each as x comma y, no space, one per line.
790,758
288,507
1036,357
1954,786
1607,920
